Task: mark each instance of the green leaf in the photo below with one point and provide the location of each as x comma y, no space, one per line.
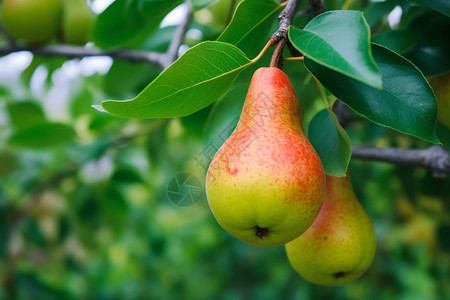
126,23
406,103
251,21
339,40
442,6
431,54
43,135
199,4
398,41
331,142
198,78
25,114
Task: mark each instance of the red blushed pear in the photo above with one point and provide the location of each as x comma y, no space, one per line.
266,184
340,245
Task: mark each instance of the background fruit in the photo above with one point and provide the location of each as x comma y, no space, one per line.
441,87
340,245
31,21
266,184
78,20
216,15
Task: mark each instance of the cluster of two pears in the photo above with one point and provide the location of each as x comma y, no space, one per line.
266,186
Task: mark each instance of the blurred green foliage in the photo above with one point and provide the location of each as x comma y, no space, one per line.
85,211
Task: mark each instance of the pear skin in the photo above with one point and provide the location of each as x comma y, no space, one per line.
340,246
31,21
78,20
266,184
441,87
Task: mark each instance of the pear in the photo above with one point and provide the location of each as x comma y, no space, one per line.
441,87
266,183
78,20
340,245
31,21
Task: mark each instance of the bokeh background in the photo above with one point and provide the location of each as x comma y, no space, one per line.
89,208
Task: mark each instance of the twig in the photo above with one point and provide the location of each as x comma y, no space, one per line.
435,159
79,52
275,61
172,53
285,19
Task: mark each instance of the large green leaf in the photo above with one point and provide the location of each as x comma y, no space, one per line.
398,41
442,6
198,78
431,53
331,142
406,102
126,23
251,21
43,135
339,40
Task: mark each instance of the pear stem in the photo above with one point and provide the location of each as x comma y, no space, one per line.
274,62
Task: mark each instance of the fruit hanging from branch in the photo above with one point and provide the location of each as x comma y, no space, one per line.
340,245
266,184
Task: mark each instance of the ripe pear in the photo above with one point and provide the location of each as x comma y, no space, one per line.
340,245
441,87
78,20
266,184
31,21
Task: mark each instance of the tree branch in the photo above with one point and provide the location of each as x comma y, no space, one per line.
285,19
435,159
79,52
172,53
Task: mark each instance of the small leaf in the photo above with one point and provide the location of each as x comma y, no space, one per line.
251,21
198,78
126,23
43,135
406,103
442,6
331,142
25,114
339,40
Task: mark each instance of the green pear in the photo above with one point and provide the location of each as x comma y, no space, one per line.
216,15
266,184
441,87
31,21
78,20
340,245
